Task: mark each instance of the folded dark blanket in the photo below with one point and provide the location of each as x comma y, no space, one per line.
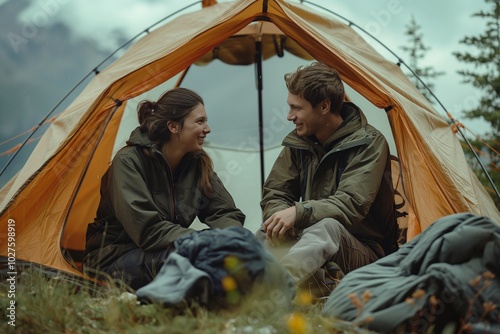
218,268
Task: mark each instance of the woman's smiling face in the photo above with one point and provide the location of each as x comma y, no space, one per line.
194,130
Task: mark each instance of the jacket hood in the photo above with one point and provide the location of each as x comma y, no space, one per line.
354,119
137,138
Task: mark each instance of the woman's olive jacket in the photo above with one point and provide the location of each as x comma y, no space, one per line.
143,205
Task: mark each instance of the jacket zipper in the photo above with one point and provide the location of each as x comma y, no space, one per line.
171,186
338,149
343,147
172,190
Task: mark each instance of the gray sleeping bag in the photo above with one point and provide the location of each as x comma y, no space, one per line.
454,263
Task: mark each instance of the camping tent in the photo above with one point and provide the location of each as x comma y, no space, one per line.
54,196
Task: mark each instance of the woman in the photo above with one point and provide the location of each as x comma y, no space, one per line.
154,189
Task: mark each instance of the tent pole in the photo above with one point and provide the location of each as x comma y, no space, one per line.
258,63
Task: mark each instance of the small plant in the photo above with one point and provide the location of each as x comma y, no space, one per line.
359,304
480,283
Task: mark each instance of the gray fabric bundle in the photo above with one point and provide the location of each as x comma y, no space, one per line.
454,262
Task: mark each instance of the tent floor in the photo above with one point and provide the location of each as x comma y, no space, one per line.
22,266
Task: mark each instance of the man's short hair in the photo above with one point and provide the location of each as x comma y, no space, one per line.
316,82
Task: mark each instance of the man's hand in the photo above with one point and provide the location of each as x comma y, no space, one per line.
280,223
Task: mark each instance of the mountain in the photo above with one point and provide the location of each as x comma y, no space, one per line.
38,66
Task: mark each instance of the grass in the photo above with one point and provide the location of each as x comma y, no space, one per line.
55,305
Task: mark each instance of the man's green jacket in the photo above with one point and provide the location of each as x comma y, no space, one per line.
348,178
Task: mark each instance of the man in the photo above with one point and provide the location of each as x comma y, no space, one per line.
329,195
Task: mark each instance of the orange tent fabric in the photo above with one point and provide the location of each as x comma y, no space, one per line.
53,197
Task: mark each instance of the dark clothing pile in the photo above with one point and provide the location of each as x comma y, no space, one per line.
449,275
218,268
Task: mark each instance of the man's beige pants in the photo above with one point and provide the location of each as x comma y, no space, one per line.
325,241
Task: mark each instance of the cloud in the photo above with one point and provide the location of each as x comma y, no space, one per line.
443,25
61,40
36,74
108,23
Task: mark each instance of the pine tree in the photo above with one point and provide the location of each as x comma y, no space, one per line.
486,61
417,51
485,77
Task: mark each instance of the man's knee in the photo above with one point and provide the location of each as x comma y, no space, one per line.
327,225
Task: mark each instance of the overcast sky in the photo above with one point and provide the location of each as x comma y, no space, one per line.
443,24
92,29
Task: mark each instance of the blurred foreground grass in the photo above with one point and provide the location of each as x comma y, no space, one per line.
56,305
